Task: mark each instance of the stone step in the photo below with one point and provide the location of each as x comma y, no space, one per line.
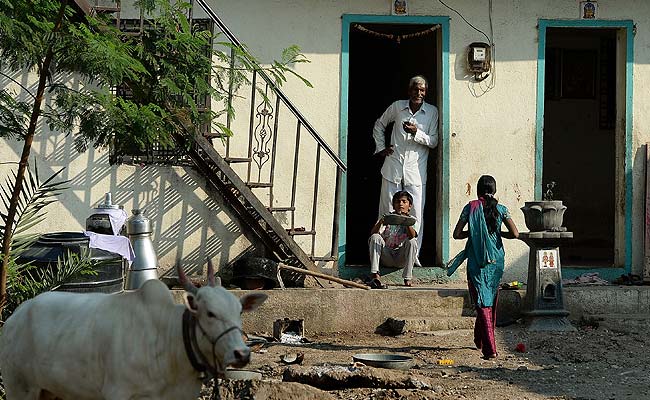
426,324
397,326
625,323
358,310
393,276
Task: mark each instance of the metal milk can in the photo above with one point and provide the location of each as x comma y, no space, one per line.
144,266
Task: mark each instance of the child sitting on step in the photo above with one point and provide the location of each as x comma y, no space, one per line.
393,241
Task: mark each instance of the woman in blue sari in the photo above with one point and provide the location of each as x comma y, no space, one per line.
485,257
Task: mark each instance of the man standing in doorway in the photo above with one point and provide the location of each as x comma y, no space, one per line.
415,130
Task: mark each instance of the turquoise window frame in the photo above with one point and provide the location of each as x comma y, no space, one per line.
628,25
443,21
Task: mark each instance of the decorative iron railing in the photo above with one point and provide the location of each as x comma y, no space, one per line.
283,159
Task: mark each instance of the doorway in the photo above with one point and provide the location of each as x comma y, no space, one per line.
582,144
380,65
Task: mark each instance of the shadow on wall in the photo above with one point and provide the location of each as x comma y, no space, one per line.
188,224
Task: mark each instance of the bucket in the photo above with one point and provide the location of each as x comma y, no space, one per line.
45,252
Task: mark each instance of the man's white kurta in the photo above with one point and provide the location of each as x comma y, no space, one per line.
408,163
406,168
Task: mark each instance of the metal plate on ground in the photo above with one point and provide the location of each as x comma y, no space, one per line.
242,374
391,361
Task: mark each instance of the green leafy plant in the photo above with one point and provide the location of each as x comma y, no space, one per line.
25,281
33,197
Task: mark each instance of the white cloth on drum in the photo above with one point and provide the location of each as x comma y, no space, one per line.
113,243
117,216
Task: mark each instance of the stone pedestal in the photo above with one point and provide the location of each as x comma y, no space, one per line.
544,302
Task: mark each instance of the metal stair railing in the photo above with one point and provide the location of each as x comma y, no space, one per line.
244,202
278,163
231,37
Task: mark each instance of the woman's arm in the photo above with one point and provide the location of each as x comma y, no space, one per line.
459,233
512,233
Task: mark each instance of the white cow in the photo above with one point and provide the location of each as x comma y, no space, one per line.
122,346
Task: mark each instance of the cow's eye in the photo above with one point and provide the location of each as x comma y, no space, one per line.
211,314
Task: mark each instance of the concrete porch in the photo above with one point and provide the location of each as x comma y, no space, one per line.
434,307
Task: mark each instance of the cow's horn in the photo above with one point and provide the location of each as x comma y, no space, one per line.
189,286
211,280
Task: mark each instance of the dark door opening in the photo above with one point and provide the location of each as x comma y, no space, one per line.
380,67
580,139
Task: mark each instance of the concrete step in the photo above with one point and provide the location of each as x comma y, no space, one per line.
393,276
438,324
358,310
612,299
626,323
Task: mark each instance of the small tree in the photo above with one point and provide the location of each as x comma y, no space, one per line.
165,69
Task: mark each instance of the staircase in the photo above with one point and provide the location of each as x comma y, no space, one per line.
246,205
245,180
272,172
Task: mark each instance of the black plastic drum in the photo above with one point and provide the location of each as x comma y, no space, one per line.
45,252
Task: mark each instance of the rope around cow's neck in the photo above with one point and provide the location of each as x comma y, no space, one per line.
216,368
192,349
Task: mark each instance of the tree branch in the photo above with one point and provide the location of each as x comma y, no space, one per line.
19,84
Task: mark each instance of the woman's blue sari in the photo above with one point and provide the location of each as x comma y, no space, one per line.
483,251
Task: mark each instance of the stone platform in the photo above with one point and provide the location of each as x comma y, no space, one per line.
427,308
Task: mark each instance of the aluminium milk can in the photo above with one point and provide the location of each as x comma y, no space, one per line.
144,266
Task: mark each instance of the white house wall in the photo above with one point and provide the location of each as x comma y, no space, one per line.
491,134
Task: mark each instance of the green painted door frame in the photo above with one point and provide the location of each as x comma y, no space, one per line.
628,27
348,20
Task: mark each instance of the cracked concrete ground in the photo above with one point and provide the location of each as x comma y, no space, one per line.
592,363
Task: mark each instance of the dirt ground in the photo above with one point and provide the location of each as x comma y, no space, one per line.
592,363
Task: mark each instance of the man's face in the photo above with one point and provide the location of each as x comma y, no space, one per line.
402,205
417,93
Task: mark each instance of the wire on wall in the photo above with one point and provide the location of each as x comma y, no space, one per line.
479,87
466,21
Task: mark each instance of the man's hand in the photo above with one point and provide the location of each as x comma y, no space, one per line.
409,127
386,152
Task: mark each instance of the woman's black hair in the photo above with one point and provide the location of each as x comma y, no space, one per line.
486,188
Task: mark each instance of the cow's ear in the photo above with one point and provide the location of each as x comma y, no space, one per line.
190,302
251,301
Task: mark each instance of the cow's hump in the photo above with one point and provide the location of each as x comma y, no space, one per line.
155,292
